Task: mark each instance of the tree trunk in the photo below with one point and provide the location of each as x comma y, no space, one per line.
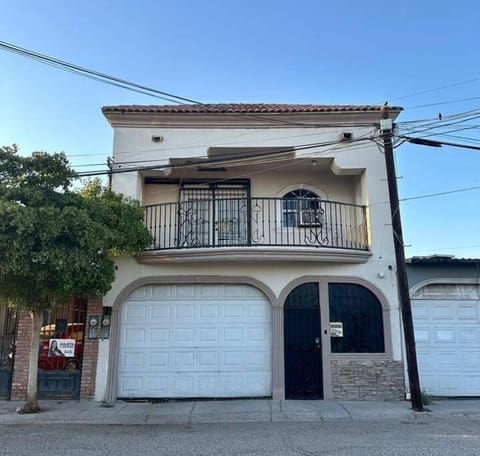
31,405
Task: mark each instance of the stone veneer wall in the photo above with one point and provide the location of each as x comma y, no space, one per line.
22,354
368,380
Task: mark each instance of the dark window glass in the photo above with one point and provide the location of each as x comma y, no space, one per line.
360,312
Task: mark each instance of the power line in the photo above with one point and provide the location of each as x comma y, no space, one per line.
455,84
431,195
194,162
421,129
122,83
66,65
299,158
443,103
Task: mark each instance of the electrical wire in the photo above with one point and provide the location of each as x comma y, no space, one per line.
423,92
440,103
301,159
431,195
217,161
125,84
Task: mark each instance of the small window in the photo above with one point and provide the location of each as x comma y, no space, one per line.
301,208
356,319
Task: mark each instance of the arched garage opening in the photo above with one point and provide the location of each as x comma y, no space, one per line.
192,340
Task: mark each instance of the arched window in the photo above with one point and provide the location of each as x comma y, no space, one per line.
300,208
356,319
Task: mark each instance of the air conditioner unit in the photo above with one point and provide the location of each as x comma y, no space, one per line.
310,217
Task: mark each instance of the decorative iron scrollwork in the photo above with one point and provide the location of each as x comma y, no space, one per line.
192,228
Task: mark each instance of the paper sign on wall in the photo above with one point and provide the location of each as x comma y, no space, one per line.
61,347
336,329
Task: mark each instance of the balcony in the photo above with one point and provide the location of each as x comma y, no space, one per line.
247,225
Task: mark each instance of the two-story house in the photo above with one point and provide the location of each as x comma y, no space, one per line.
271,272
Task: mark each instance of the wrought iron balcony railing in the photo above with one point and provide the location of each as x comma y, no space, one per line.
250,222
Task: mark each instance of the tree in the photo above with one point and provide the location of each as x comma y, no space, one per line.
55,242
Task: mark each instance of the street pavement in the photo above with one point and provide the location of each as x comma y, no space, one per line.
231,411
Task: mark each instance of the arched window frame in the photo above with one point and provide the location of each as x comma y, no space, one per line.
290,211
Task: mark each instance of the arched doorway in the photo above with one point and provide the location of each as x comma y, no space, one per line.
303,351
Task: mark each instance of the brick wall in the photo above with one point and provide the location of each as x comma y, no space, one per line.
368,380
22,355
90,353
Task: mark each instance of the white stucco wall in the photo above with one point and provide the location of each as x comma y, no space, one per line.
276,275
343,180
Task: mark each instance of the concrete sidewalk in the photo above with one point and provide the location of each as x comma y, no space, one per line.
135,413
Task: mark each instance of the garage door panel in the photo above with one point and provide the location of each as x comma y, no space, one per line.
447,335
184,291
136,311
472,385
208,336
135,360
467,310
208,360
422,334
421,310
442,311
159,312
132,385
159,336
233,312
184,336
447,359
469,335
135,336
159,359
256,312
444,335
208,311
255,335
234,291
184,310
157,385
448,384
471,360
208,291
256,359
233,336
220,347
184,360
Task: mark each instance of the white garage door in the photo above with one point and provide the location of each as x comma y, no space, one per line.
447,332
195,341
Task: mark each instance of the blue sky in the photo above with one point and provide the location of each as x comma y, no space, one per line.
341,52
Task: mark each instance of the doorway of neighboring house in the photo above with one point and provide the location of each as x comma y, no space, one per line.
8,329
213,214
303,351
61,351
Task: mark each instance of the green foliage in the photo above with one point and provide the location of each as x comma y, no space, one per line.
426,398
55,242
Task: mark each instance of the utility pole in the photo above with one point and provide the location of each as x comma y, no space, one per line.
110,168
386,127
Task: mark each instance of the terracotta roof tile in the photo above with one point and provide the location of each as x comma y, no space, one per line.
243,108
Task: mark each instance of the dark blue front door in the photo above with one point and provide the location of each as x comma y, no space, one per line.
303,351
